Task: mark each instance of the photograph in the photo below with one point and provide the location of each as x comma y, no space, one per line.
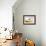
22,22
29,19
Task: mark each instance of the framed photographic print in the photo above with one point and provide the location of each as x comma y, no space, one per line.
29,19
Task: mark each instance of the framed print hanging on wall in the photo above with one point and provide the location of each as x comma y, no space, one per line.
29,19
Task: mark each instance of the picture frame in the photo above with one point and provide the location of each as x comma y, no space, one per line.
29,19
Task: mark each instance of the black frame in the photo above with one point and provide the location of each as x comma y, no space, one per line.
30,16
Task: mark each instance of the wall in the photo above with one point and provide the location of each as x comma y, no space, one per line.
43,22
6,13
28,7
